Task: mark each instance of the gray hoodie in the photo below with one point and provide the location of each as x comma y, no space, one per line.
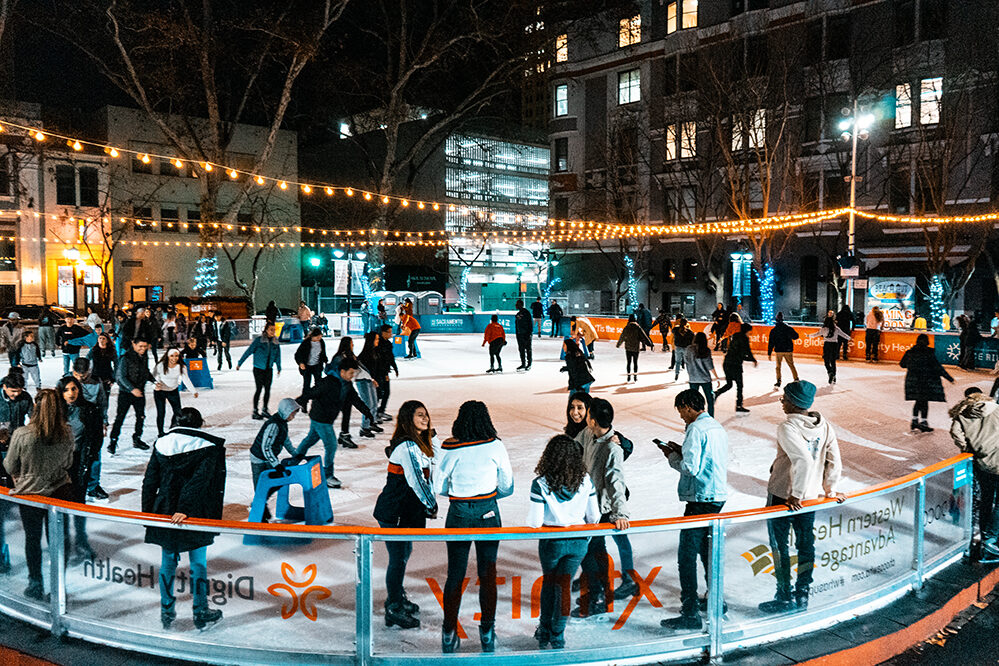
808,462
975,429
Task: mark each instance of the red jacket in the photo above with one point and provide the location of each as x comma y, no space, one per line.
494,331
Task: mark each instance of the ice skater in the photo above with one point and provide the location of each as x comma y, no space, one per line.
922,380
831,334
266,352
582,329
523,328
781,342
409,327
635,339
133,375
495,337
683,337
168,373
738,351
700,368
578,367
270,439
538,313
975,430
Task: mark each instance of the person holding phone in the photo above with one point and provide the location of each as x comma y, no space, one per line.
702,461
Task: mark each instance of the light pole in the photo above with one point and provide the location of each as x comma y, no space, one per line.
853,128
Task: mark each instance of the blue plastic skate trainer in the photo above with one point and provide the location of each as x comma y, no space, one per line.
317,510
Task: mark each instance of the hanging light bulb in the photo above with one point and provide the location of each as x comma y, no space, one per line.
260,180
113,152
39,136
350,192
385,200
233,174
283,185
329,191
306,189
146,159
75,145
177,163
367,195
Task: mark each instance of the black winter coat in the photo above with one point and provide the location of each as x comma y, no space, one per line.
537,310
782,339
923,375
133,371
302,354
523,324
555,311
192,483
578,368
329,396
87,448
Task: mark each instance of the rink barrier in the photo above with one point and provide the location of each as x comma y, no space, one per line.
940,534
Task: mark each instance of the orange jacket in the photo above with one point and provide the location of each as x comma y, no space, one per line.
494,331
409,321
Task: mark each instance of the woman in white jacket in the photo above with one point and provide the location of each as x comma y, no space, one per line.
168,373
831,334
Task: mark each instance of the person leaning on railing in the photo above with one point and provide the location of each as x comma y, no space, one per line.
807,464
975,430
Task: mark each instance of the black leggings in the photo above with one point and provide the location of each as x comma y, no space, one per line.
262,379
920,409
311,375
733,375
383,391
222,348
830,350
161,398
495,347
631,359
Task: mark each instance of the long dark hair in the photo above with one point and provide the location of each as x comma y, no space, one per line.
370,340
473,423
405,430
166,358
571,427
66,381
571,348
346,346
562,464
830,323
701,349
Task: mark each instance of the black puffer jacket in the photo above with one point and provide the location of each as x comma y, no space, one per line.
133,372
579,372
87,447
186,474
923,373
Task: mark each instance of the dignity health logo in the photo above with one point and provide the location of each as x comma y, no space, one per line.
299,600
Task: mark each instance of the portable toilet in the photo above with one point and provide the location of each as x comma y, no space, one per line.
390,298
403,295
429,303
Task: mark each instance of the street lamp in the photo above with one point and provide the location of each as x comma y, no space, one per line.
853,127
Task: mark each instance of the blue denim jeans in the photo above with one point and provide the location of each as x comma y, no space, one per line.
709,395
694,543
95,472
67,362
197,583
779,531
560,558
320,431
475,513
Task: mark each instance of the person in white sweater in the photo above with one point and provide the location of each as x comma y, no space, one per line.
562,495
168,373
807,465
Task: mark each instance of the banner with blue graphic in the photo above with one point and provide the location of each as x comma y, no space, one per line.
948,348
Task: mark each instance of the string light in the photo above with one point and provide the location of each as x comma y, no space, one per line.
146,159
233,174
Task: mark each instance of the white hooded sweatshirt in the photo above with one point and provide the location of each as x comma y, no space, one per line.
808,462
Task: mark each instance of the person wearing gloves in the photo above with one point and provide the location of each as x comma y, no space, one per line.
270,439
168,373
562,495
975,430
807,464
831,334
133,375
702,461
635,339
266,352
603,454
185,478
582,328
495,337
406,501
474,472
781,342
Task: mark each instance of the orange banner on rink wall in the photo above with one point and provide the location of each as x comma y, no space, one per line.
893,343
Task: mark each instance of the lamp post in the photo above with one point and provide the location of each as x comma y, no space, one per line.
854,127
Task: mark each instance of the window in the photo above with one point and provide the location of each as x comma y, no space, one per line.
930,92
813,119
169,214
143,215
750,131
671,18
8,257
681,141
561,208
690,270
5,179
688,72
680,205
562,48
905,23
740,6
669,82
932,19
138,166
756,56
669,275
65,185
562,100
630,31
560,155
681,16
629,87
903,106
689,14
89,194
838,34
671,141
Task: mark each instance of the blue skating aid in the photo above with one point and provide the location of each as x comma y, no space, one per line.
317,510
400,347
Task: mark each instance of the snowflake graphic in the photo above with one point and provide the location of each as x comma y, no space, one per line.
954,351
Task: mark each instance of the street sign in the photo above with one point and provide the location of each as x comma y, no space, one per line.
853,271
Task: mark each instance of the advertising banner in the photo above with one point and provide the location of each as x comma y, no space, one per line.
340,277
897,299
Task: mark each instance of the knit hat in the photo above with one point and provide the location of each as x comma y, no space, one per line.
800,393
287,407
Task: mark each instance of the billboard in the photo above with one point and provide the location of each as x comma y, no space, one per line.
897,299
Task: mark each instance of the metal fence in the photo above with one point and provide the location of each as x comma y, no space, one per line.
308,594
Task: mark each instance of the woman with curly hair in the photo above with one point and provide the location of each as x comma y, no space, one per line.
561,495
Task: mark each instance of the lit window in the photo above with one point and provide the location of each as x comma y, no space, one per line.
758,129
903,106
344,130
671,18
930,92
562,100
562,48
689,14
630,31
688,140
629,87
671,131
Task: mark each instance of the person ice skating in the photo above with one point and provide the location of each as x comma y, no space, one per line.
185,478
366,387
538,313
700,368
193,348
328,399
133,375
664,322
555,314
266,352
719,322
84,418
474,472
39,461
103,359
311,358
683,337
409,327
874,323
168,373
387,358
968,340
702,461
975,430
371,358
46,329
304,315
578,367
644,317
831,334
406,501
94,393
604,459
344,351
11,334
634,338
561,495
844,319
29,356
271,312
807,464
922,380
733,326
66,333
781,342
15,408
523,329
582,329
738,351
226,330
270,439
495,337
